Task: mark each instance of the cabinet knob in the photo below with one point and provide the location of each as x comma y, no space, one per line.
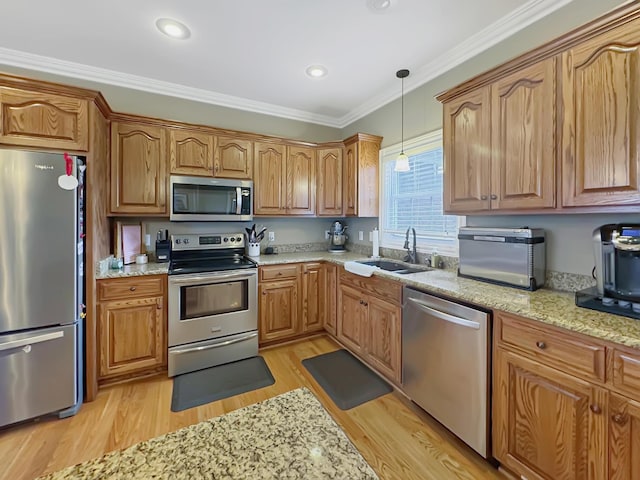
133,289
595,408
483,197
494,197
366,303
619,418
159,305
264,293
361,302
541,345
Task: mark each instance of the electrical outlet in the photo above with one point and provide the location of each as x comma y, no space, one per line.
272,236
326,234
371,236
360,235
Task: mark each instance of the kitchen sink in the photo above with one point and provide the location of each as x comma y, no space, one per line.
395,267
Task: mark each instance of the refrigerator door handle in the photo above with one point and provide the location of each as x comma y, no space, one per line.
23,342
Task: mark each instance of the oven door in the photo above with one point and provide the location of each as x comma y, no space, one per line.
212,305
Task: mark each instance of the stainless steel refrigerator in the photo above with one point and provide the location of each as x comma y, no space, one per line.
41,286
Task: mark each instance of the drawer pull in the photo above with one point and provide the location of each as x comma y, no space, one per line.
483,197
541,345
133,289
619,418
595,408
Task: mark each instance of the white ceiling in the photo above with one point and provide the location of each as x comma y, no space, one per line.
252,54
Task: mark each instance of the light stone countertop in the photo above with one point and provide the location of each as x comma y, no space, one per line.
547,306
135,270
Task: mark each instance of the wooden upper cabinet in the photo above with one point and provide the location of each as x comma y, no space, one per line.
547,424
301,181
329,182
33,119
233,158
269,186
191,153
601,129
523,143
467,152
284,180
138,171
360,175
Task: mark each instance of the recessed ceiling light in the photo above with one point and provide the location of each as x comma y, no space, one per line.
317,71
173,28
378,6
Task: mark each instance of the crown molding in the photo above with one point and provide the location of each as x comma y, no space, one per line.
501,29
65,68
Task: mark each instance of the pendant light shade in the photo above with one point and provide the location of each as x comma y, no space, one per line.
402,162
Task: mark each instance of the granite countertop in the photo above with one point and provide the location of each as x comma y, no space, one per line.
134,270
290,436
547,306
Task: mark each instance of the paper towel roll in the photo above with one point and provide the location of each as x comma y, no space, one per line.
376,243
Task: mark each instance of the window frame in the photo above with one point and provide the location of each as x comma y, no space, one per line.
413,146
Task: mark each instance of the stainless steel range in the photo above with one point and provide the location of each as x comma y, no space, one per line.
213,309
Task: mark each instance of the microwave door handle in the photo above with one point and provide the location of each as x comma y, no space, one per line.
238,200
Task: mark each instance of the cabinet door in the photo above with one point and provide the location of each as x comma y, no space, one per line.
233,158
351,316
278,310
131,335
301,181
138,174
624,438
547,425
312,276
329,182
383,337
467,152
269,186
329,297
191,153
368,177
350,179
33,119
601,127
523,145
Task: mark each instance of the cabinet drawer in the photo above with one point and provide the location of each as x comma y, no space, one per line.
123,288
569,354
278,272
384,289
626,373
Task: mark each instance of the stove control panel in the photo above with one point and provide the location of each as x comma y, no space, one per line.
207,241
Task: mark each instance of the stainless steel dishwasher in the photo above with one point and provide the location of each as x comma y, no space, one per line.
445,364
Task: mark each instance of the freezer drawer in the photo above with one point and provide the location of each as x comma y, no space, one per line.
37,373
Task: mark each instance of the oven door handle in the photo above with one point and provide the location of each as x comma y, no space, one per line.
214,277
216,345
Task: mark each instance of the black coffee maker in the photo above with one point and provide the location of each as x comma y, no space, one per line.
617,256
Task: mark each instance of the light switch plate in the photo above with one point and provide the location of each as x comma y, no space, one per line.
360,235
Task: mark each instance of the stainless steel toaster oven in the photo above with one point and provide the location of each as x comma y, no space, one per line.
507,256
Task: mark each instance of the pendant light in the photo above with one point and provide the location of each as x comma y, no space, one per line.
402,162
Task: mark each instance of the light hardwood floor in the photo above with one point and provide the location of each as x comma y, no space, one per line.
397,439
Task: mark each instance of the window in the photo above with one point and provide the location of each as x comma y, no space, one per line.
414,198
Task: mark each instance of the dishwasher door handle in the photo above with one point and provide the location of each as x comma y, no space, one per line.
444,316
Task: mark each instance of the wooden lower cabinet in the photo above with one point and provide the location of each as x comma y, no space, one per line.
370,326
132,327
624,438
278,310
351,318
547,424
329,297
312,276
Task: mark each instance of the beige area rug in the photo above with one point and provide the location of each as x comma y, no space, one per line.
290,436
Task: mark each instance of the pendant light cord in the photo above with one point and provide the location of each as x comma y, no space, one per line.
402,122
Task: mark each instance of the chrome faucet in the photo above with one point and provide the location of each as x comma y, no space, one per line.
412,256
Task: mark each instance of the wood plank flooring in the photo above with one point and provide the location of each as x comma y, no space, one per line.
395,437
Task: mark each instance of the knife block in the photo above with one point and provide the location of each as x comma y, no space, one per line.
163,251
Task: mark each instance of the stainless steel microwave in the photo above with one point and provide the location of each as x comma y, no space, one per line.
202,199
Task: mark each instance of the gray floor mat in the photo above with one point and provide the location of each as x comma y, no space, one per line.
215,383
346,379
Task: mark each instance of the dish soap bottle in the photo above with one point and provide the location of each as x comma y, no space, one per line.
435,259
